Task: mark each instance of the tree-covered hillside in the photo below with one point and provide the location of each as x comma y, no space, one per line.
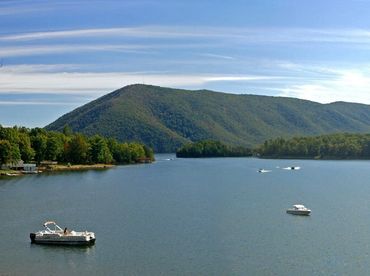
334,146
166,118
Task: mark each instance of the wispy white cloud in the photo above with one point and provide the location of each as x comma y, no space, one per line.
241,78
323,84
37,103
36,68
15,7
307,81
241,35
174,37
346,85
36,50
217,56
147,31
17,51
6,10
28,81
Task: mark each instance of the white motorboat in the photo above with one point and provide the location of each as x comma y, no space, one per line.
53,234
292,168
263,171
299,209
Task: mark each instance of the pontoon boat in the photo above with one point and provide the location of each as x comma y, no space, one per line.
53,234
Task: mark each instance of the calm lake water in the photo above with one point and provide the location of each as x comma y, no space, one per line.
193,217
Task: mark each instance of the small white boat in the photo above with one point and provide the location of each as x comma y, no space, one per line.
30,172
292,168
12,174
53,234
299,209
263,171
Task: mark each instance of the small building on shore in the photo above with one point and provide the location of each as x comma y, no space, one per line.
21,166
18,166
29,168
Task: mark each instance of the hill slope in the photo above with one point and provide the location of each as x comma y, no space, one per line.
165,118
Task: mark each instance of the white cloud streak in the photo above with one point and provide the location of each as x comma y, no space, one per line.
336,84
53,49
146,32
165,37
240,78
37,103
35,68
27,81
217,56
317,83
5,11
248,35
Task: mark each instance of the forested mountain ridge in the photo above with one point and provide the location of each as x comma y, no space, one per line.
165,118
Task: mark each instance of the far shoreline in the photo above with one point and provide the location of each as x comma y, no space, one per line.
80,167
328,158
66,168
58,168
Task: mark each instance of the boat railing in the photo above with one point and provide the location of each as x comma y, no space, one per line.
56,227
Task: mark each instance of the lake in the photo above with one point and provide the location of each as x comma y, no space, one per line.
215,216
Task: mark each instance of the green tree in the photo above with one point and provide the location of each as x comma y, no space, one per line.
54,146
26,151
136,151
123,154
148,152
39,144
5,152
99,151
77,151
210,148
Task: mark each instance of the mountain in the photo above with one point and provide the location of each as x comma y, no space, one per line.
166,118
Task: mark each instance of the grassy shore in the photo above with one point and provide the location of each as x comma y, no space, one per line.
63,167
10,172
56,168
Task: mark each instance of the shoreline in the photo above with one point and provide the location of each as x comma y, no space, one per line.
325,158
55,168
65,167
270,157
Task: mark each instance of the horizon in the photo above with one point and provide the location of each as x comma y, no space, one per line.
55,57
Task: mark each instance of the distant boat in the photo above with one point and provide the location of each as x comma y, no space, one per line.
11,174
53,234
30,172
299,209
292,168
263,171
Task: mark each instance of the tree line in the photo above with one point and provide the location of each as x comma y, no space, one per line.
333,146
208,148
37,144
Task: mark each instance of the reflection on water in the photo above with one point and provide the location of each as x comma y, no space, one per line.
79,249
61,260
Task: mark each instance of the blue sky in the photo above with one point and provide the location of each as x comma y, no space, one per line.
58,55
